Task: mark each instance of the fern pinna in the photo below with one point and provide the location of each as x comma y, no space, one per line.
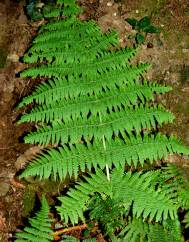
96,109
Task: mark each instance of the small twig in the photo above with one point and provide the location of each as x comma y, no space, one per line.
17,184
68,230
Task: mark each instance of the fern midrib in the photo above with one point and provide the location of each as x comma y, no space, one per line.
95,127
114,148
119,77
119,60
79,41
91,52
40,93
108,100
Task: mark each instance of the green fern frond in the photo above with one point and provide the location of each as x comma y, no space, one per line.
82,105
60,52
70,7
79,30
131,188
59,163
107,40
108,61
100,43
177,183
52,11
71,24
87,38
114,123
62,8
40,229
138,230
62,89
59,22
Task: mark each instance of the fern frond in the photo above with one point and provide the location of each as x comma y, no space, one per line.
131,188
69,26
70,7
87,39
107,40
83,104
61,89
59,163
51,25
59,23
176,182
138,230
114,123
84,46
52,11
60,55
40,229
108,61
78,31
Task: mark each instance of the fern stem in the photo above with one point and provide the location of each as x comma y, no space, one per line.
104,145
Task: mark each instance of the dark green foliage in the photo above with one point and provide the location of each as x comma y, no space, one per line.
33,11
40,228
142,26
135,189
138,230
108,212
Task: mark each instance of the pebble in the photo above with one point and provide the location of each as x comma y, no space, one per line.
4,188
109,4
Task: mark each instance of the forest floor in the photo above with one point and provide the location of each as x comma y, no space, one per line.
167,52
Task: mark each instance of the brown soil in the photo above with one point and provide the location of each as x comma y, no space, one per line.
15,35
170,65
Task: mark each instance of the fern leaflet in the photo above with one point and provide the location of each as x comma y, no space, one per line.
63,161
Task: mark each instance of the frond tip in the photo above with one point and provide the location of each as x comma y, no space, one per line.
40,229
